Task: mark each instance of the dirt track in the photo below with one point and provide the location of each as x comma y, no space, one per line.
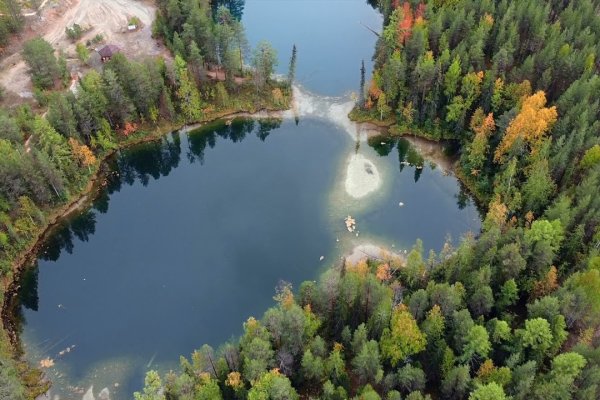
106,17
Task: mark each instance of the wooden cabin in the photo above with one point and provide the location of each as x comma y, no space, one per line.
108,51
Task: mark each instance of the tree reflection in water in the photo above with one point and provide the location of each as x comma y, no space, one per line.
140,163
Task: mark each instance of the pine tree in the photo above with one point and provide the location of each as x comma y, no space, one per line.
361,93
292,69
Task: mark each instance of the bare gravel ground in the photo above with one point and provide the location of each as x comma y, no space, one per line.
106,17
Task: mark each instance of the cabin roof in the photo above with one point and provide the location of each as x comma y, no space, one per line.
109,50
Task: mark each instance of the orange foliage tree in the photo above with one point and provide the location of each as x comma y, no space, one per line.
497,213
529,126
83,153
129,128
408,20
384,272
547,285
406,23
482,126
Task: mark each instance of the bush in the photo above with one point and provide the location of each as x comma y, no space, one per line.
74,32
134,21
82,52
41,96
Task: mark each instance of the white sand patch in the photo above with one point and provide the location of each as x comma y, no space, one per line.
89,395
371,251
333,109
362,176
338,114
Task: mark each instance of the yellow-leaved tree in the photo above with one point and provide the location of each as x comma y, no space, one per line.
403,338
83,153
483,126
529,126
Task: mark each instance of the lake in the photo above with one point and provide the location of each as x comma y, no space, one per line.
191,234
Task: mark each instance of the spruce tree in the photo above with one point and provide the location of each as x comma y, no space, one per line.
292,70
361,94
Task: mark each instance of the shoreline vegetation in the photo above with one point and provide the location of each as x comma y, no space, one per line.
80,200
53,152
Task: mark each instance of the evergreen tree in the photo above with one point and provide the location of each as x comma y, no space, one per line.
292,68
361,92
42,63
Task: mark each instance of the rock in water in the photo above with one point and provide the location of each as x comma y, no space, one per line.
104,394
350,223
89,395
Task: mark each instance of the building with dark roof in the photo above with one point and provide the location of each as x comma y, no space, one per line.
108,51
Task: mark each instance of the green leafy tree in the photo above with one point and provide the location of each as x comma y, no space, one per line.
382,106
411,378
367,364
187,93
477,345
591,157
82,52
43,65
272,386
452,78
537,337
580,298
550,232
403,338
153,389
312,366
538,187
264,61
509,294
491,391
456,383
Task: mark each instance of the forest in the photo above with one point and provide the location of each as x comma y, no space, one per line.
510,314
52,149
